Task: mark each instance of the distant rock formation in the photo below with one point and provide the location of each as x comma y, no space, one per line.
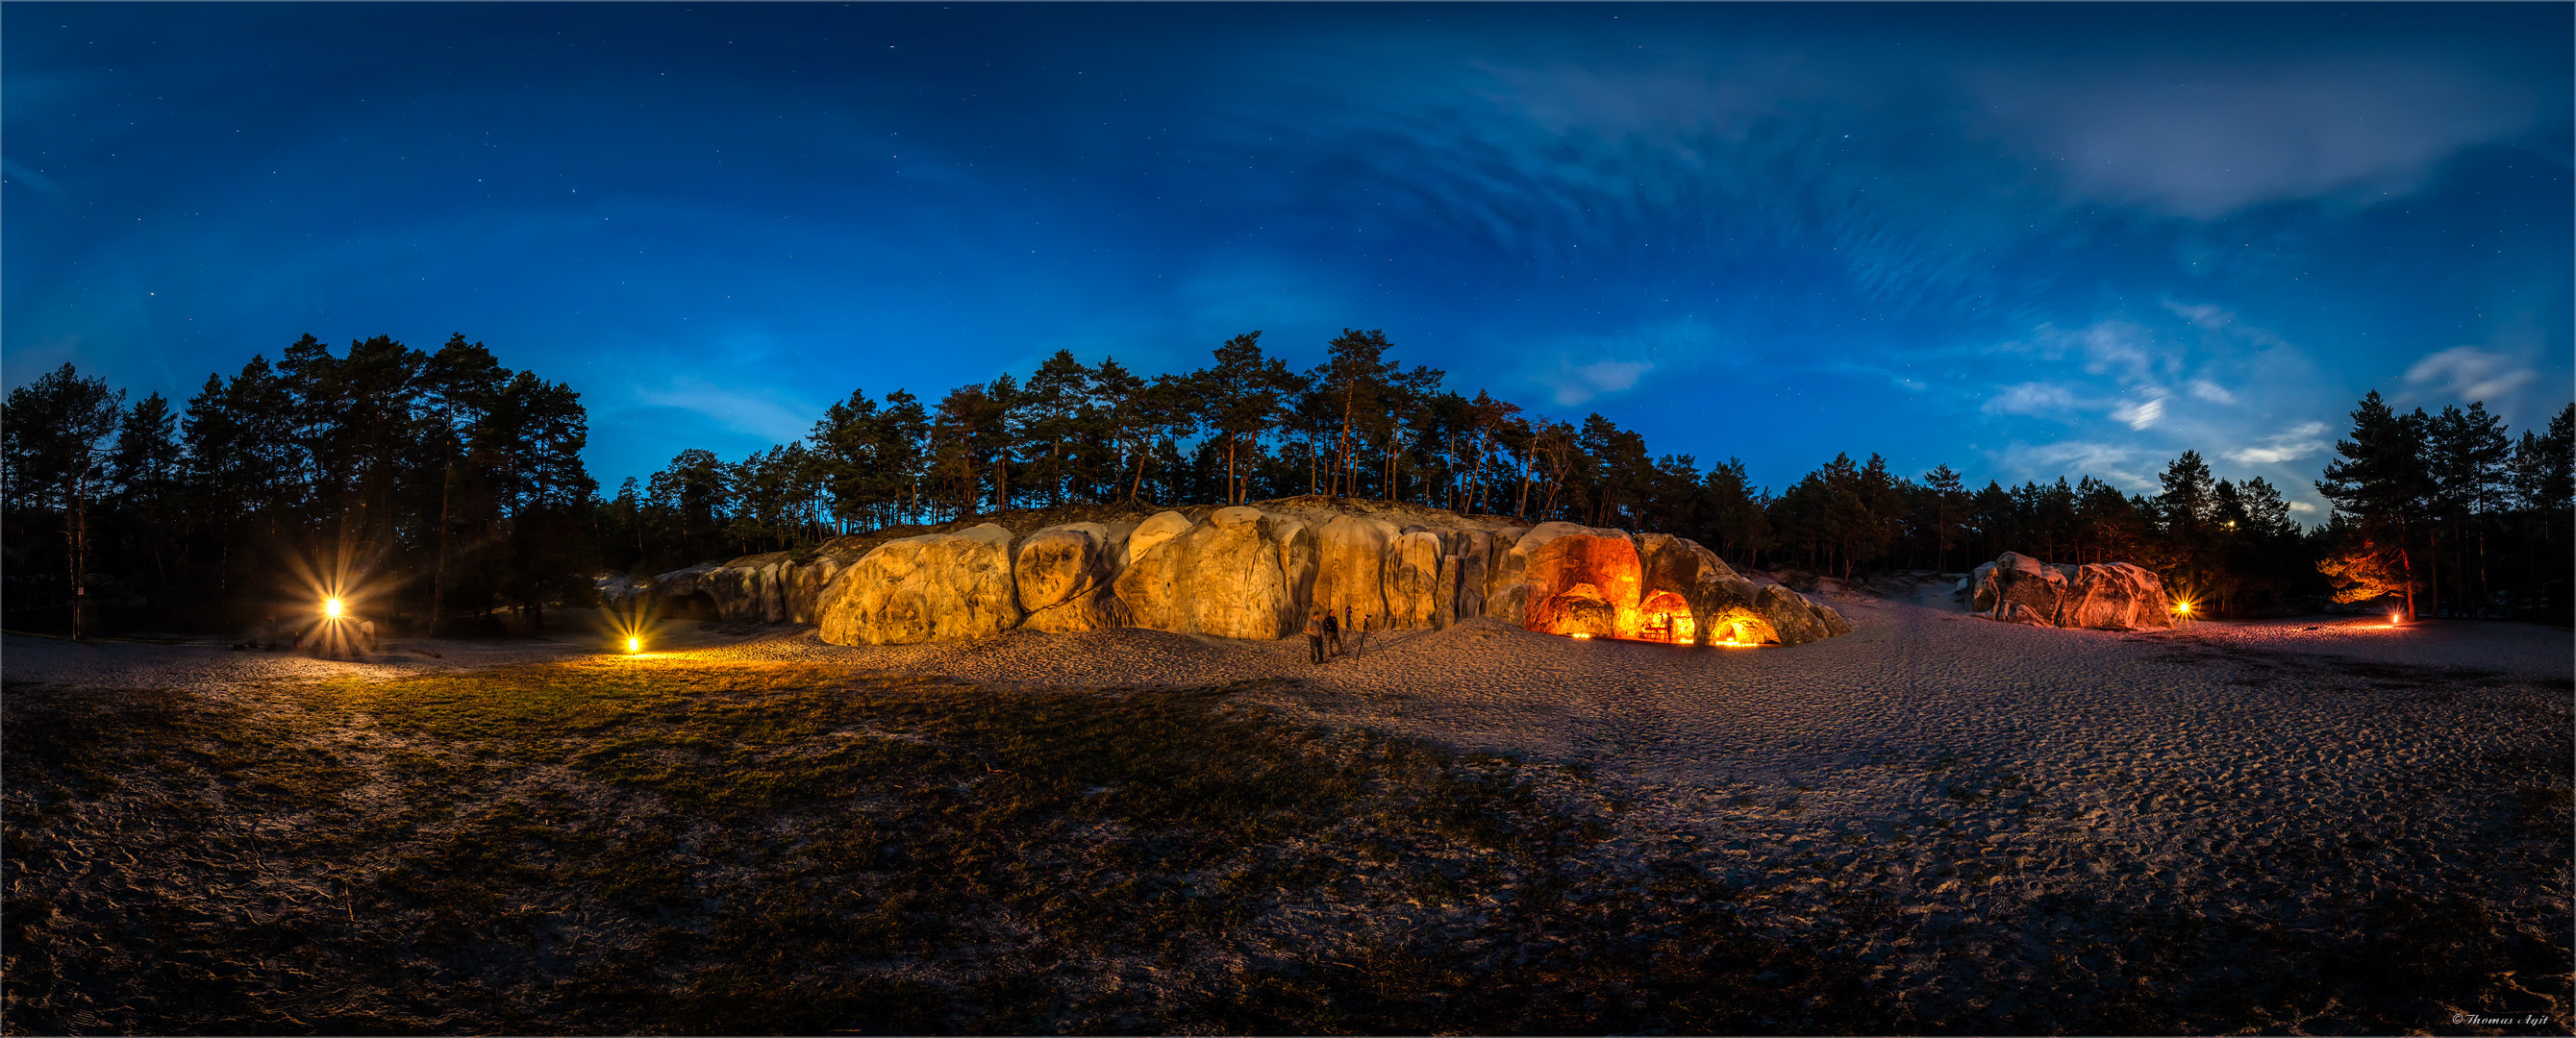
2112,596
1244,572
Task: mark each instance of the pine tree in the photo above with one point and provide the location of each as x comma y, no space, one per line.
1242,395
53,434
2380,481
1358,375
145,469
2465,459
1947,516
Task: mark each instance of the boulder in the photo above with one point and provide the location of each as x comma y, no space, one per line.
1163,526
1444,594
1064,578
1793,619
1350,567
748,589
1299,558
939,587
2114,596
1411,579
1476,549
1710,591
1234,576
805,586
685,594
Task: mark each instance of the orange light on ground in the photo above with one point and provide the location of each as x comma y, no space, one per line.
332,608
634,644
2392,619
1579,634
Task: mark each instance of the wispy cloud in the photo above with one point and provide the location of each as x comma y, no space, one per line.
2466,373
757,412
2140,414
2118,464
2211,391
2298,441
29,177
2207,139
1573,385
1598,365
2031,398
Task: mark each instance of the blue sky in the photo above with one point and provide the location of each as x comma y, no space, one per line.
2025,240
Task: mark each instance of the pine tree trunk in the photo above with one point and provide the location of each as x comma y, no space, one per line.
76,536
438,574
2433,579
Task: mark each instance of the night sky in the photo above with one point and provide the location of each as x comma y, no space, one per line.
2024,240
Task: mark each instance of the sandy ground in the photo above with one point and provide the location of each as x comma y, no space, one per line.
2003,789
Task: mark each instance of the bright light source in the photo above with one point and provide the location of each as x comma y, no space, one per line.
331,608
1580,634
2183,608
2392,619
634,644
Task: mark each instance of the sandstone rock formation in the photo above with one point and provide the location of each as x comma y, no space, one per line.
2112,596
1241,572
1064,576
941,587
1411,581
1350,563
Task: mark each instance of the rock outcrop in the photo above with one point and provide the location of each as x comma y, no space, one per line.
2113,596
936,588
1064,576
1241,572
1350,564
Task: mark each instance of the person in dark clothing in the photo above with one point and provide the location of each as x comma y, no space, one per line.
1315,627
1332,636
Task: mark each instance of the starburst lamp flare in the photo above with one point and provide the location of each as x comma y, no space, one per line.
332,608
634,644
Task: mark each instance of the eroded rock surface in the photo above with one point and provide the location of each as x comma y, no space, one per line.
2115,596
940,587
1064,575
1251,572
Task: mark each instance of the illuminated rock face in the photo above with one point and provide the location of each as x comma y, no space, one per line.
1655,587
1350,567
1240,574
1253,573
1411,581
1570,568
942,587
1063,574
2112,596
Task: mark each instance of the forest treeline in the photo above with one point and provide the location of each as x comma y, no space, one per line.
449,486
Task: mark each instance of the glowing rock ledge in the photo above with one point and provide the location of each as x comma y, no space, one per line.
1253,573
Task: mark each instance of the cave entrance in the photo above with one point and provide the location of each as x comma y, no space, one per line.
691,606
1739,629
1581,612
1666,618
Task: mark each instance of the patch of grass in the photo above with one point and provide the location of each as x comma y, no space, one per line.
785,849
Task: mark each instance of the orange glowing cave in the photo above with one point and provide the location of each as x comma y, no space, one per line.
1594,587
